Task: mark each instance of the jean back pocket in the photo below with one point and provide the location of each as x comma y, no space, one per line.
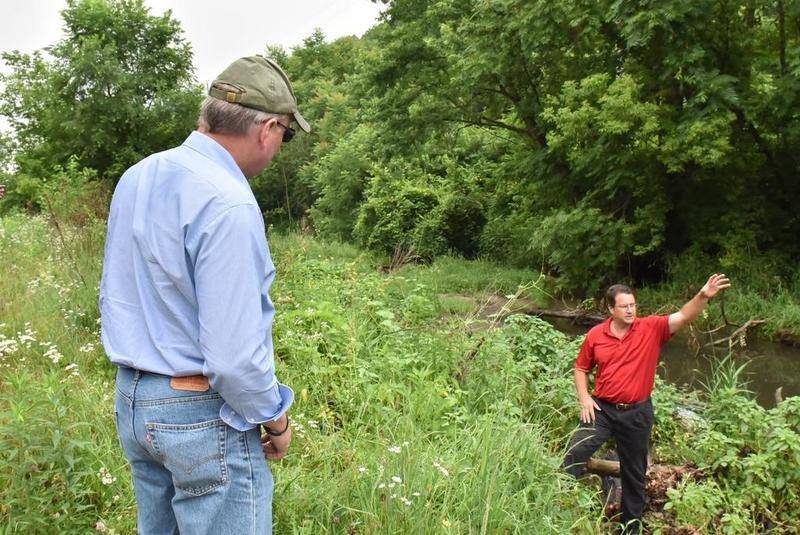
193,453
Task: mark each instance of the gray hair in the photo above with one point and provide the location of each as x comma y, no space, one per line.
220,117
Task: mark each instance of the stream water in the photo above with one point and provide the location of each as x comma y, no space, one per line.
769,364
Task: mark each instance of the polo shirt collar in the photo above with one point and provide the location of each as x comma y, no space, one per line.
607,327
212,150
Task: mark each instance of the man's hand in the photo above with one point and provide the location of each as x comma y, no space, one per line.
689,312
716,283
588,406
276,447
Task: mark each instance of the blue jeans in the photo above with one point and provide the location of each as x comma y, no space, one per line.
193,474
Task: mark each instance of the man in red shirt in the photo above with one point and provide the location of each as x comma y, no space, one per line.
625,350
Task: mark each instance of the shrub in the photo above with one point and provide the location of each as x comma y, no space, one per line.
398,200
583,246
340,178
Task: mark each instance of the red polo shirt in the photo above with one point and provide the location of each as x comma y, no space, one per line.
626,367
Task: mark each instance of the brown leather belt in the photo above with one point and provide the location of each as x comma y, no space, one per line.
191,383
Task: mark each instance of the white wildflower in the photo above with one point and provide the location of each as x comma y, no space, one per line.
393,449
382,486
28,337
8,345
397,479
73,369
53,354
105,476
362,470
441,469
100,526
86,348
405,501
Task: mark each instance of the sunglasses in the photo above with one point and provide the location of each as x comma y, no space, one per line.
288,132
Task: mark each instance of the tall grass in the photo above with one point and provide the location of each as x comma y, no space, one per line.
407,418
388,439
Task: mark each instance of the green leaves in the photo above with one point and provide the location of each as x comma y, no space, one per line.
117,87
653,124
527,131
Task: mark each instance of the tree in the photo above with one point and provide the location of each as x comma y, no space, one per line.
116,88
322,76
660,125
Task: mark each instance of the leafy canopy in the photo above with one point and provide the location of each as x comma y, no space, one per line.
116,88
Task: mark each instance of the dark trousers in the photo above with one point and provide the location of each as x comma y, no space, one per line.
631,428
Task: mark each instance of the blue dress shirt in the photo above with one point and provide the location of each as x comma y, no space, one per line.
186,277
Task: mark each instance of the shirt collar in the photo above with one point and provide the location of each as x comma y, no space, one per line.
212,150
607,326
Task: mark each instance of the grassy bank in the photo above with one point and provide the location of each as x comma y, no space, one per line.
387,437
408,419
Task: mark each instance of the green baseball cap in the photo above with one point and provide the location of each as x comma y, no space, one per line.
259,83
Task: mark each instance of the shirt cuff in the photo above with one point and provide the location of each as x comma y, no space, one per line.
238,422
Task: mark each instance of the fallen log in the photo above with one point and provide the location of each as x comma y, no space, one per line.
660,478
603,467
577,316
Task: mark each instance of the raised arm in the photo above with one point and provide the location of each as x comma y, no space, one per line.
689,312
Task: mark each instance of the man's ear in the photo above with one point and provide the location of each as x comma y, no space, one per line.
264,130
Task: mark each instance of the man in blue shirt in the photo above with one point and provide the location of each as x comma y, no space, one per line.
187,318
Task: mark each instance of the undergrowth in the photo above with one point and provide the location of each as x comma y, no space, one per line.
406,419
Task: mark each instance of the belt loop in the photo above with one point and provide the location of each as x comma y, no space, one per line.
137,374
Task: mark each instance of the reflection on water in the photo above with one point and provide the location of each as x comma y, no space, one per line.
769,365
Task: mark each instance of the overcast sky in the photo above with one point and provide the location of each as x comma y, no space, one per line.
219,32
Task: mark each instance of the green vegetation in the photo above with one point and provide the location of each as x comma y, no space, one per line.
118,87
558,146
385,433
601,140
407,415
597,142
750,456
